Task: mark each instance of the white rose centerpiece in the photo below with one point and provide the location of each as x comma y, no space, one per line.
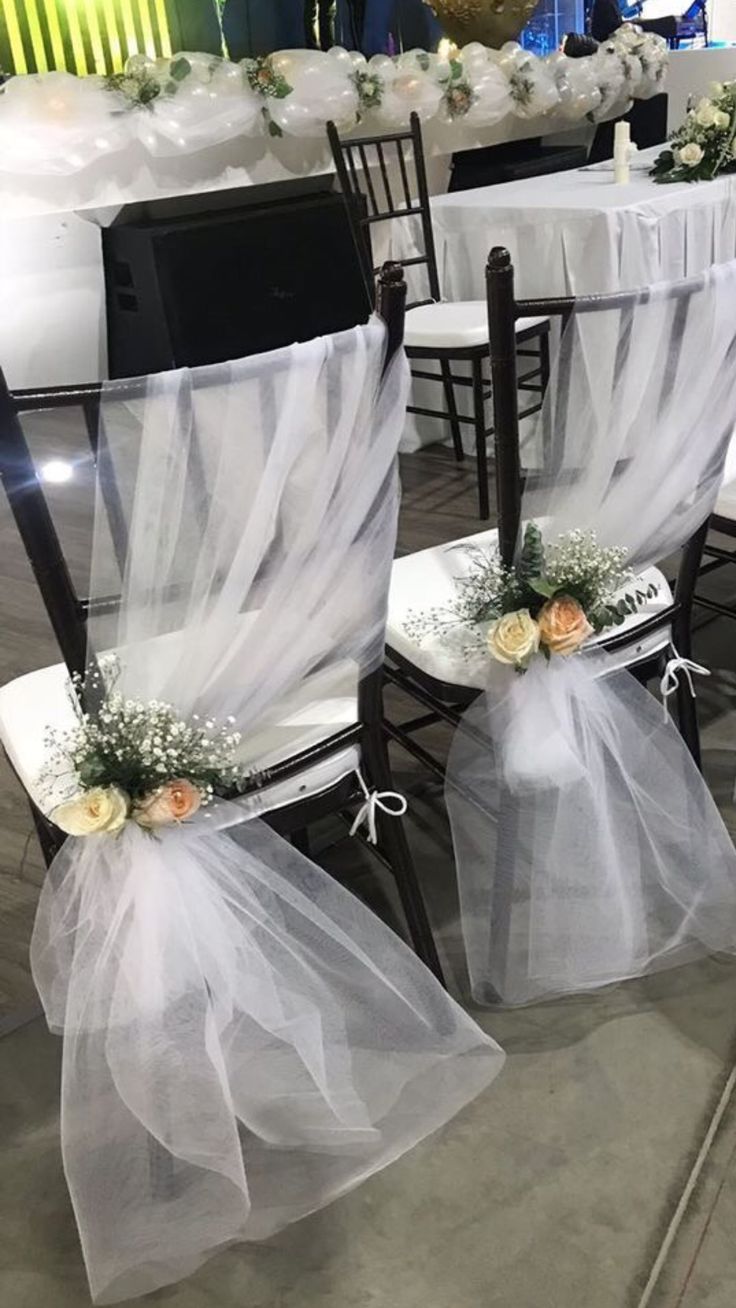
703,147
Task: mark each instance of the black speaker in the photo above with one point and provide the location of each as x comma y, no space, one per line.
510,162
203,288
648,120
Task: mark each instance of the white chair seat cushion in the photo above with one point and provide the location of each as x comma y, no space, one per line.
425,580
457,325
323,706
726,502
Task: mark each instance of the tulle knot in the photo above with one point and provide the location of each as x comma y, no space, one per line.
373,800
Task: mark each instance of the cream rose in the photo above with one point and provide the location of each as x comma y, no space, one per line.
103,810
722,119
691,154
563,625
705,114
514,638
174,802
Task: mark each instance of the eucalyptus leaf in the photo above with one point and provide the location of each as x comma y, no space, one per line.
543,587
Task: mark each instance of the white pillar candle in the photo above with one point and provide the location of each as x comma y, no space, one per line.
621,152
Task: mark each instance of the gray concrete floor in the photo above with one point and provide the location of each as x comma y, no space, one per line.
567,1185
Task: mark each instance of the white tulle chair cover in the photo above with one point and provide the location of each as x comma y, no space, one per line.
243,1040
588,846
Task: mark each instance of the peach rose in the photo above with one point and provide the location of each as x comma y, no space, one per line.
174,802
563,626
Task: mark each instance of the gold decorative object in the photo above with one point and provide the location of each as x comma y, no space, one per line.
490,21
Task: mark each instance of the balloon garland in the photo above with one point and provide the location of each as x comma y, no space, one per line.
55,123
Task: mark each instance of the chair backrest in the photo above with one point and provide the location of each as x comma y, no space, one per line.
69,610
384,179
638,415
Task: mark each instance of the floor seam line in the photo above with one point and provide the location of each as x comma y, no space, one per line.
687,1192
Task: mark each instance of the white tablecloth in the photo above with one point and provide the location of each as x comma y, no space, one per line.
579,233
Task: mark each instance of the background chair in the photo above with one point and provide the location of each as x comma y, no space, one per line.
723,522
384,180
303,764
430,675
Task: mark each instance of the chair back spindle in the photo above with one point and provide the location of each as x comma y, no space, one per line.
504,383
372,196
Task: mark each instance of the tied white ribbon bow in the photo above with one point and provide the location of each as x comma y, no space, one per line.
671,678
373,800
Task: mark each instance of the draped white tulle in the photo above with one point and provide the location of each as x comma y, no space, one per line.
588,846
243,1040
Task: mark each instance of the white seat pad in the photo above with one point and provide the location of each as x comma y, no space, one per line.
454,326
426,580
323,706
726,503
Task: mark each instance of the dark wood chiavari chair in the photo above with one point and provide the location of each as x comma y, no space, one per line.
643,644
722,523
69,611
384,180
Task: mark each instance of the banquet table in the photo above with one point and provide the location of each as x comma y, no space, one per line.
579,233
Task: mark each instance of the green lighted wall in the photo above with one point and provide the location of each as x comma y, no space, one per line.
96,36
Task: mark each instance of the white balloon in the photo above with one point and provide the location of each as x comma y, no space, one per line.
492,97
54,123
512,56
557,62
474,52
228,78
202,65
322,88
198,116
340,54
406,92
533,91
299,63
381,64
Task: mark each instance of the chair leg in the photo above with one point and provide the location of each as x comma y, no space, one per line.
395,846
48,836
687,708
547,452
687,716
682,636
457,439
481,451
